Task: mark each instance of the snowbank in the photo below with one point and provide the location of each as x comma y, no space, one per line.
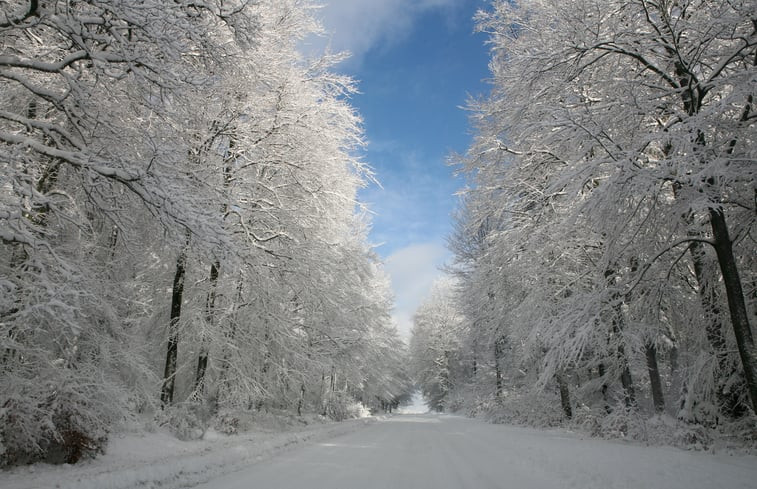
151,460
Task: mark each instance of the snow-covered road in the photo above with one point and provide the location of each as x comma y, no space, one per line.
439,452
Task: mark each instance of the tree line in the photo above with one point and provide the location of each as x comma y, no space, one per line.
179,227
604,250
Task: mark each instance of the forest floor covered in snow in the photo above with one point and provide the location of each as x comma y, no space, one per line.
159,459
409,449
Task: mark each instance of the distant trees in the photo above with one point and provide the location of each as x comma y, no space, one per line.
435,353
177,222
608,235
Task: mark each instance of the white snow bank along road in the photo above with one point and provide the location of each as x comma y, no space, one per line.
448,452
158,460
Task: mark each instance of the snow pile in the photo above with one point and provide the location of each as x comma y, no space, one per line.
150,460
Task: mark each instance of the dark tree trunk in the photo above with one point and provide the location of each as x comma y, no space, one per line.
446,384
564,395
222,384
169,373
675,371
266,362
499,347
475,358
301,400
627,382
654,378
202,360
728,399
617,329
736,304
673,358
601,370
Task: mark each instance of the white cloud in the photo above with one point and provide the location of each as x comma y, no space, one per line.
360,25
413,270
415,198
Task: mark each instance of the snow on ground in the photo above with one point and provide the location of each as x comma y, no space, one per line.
448,452
416,451
151,460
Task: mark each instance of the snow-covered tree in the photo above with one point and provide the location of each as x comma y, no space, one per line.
178,221
612,174
434,345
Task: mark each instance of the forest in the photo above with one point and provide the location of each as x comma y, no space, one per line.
182,241
180,231
604,272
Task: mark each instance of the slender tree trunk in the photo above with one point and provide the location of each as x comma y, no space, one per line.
266,362
475,358
626,381
601,371
728,399
202,359
617,327
322,394
498,350
724,250
736,304
654,378
229,333
564,395
676,389
169,373
112,242
301,400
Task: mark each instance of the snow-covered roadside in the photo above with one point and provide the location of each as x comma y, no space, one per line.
151,460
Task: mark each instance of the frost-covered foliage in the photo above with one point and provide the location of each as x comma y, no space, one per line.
178,223
605,250
434,349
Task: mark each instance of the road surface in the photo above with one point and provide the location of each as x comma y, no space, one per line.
440,452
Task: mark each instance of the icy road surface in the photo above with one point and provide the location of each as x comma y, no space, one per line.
440,452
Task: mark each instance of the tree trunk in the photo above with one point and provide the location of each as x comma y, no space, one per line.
475,359
202,360
266,362
301,400
708,297
736,304
617,328
654,378
169,373
727,399
222,384
601,371
564,395
498,350
626,381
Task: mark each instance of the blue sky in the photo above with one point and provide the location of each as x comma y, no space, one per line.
416,63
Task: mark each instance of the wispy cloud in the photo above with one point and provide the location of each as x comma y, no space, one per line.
358,26
413,270
414,201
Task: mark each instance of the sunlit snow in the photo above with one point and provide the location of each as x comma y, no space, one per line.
417,405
